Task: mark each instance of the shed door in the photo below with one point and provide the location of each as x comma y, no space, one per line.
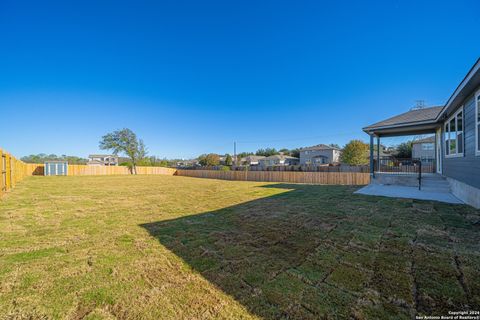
60,169
52,169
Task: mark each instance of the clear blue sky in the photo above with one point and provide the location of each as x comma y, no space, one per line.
190,77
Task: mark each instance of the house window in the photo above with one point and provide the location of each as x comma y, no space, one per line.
477,122
454,135
427,146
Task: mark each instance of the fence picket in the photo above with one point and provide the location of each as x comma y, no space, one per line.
335,178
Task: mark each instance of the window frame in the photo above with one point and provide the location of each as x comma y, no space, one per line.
477,122
445,133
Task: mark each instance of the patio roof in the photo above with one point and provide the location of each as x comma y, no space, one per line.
426,120
415,121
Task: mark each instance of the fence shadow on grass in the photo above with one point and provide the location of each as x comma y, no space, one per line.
262,252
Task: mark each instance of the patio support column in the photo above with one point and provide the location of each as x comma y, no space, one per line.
372,164
378,153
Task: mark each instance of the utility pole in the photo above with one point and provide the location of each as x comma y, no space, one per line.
235,153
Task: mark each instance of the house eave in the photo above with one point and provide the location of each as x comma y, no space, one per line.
412,128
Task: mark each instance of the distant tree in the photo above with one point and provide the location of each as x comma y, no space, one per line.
285,151
164,163
245,154
355,153
210,159
201,159
260,152
295,153
125,141
152,161
228,160
334,145
42,157
404,150
266,152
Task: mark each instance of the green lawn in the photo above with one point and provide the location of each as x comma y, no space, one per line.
166,247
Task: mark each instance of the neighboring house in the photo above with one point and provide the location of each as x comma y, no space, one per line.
383,154
424,149
222,158
187,163
102,160
319,154
278,160
251,160
456,126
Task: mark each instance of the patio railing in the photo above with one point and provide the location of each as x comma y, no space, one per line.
404,166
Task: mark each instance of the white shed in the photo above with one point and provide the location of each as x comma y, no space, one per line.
56,168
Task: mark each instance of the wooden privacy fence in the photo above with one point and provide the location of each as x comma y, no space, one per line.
84,170
338,178
12,171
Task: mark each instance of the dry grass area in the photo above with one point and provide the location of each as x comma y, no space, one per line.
163,247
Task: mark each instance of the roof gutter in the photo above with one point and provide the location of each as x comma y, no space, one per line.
405,124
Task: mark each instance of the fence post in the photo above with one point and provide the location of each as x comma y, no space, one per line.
2,170
12,172
8,172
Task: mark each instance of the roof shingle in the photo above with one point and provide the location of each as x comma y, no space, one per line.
409,117
319,147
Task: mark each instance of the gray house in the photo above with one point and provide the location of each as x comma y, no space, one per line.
251,160
456,127
424,149
319,154
102,160
278,160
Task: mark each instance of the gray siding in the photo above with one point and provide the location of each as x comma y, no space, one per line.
467,168
419,152
332,155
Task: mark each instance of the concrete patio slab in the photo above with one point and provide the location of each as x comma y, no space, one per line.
394,191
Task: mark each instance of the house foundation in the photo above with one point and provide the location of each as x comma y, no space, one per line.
468,194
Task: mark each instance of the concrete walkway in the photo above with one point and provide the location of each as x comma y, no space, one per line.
394,191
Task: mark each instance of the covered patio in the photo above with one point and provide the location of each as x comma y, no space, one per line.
411,177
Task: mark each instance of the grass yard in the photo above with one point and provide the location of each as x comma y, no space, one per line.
164,247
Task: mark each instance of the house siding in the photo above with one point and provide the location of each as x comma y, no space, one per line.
332,155
465,169
418,152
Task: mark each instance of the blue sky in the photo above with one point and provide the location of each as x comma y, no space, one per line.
191,77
